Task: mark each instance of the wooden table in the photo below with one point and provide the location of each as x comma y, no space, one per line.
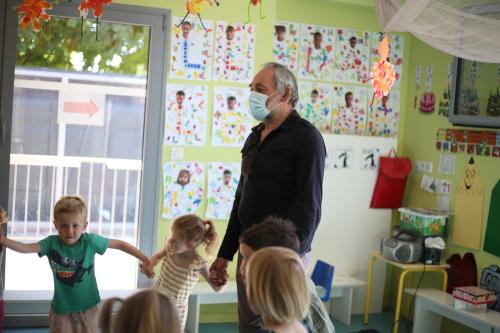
432,304
406,268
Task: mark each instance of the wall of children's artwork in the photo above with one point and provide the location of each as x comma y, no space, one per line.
422,132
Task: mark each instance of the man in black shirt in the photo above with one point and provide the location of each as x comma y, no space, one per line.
283,162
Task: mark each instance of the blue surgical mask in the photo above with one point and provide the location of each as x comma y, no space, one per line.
257,103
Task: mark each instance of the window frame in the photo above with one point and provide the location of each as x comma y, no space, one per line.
32,310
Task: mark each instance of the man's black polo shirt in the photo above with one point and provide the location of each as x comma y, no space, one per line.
281,176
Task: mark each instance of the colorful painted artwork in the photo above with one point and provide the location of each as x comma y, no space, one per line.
186,115
352,56
396,49
223,181
191,54
183,188
286,44
349,109
315,104
316,52
383,118
232,122
234,52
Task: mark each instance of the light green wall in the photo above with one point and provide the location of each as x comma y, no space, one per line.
418,143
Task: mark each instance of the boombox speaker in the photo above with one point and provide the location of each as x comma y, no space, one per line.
405,247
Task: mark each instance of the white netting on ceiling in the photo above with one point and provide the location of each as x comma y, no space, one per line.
468,29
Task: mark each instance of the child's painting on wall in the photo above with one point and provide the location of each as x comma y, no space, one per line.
396,49
315,104
383,119
223,180
349,109
231,121
352,56
191,53
286,44
183,188
186,115
234,52
316,52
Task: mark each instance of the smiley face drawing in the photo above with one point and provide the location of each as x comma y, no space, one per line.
468,221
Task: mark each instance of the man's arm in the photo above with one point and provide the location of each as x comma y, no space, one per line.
230,243
310,167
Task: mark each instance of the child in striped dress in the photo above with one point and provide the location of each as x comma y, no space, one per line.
181,265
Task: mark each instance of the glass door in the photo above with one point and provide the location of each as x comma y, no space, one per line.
79,118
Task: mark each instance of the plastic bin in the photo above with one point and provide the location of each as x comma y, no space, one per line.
425,222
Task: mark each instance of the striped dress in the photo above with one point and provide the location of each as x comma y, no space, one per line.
177,282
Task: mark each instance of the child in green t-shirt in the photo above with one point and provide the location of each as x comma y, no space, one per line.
71,258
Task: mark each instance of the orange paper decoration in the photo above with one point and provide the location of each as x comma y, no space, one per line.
194,7
33,11
382,74
94,5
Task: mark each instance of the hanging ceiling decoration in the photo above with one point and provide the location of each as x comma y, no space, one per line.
254,3
194,7
34,11
382,74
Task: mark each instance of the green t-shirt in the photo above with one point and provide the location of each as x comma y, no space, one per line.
75,286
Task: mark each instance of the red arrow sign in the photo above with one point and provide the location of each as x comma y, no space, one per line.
90,107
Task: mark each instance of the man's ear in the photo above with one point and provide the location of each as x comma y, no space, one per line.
286,95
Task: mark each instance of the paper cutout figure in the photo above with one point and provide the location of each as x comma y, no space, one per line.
382,75
183,188
395,57
370,158
223,181
492,238
352,56
315,104
469,201
383,119
186,115
349,109
191,56
286,44
234,52
232,123
316,52
343,158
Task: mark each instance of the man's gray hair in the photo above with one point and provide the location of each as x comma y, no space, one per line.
283,78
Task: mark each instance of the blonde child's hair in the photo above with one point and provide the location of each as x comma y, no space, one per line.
147,311
193,229
3,216
70,204
276,285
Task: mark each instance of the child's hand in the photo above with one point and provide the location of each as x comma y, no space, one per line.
147,268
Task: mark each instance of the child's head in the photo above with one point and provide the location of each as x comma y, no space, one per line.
229,32
314,95
280,32
70,218
348,99
353,41
190,231
184,177
273,231
179,97
186,28
317,40
276,285
227,176
231,102
147,311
